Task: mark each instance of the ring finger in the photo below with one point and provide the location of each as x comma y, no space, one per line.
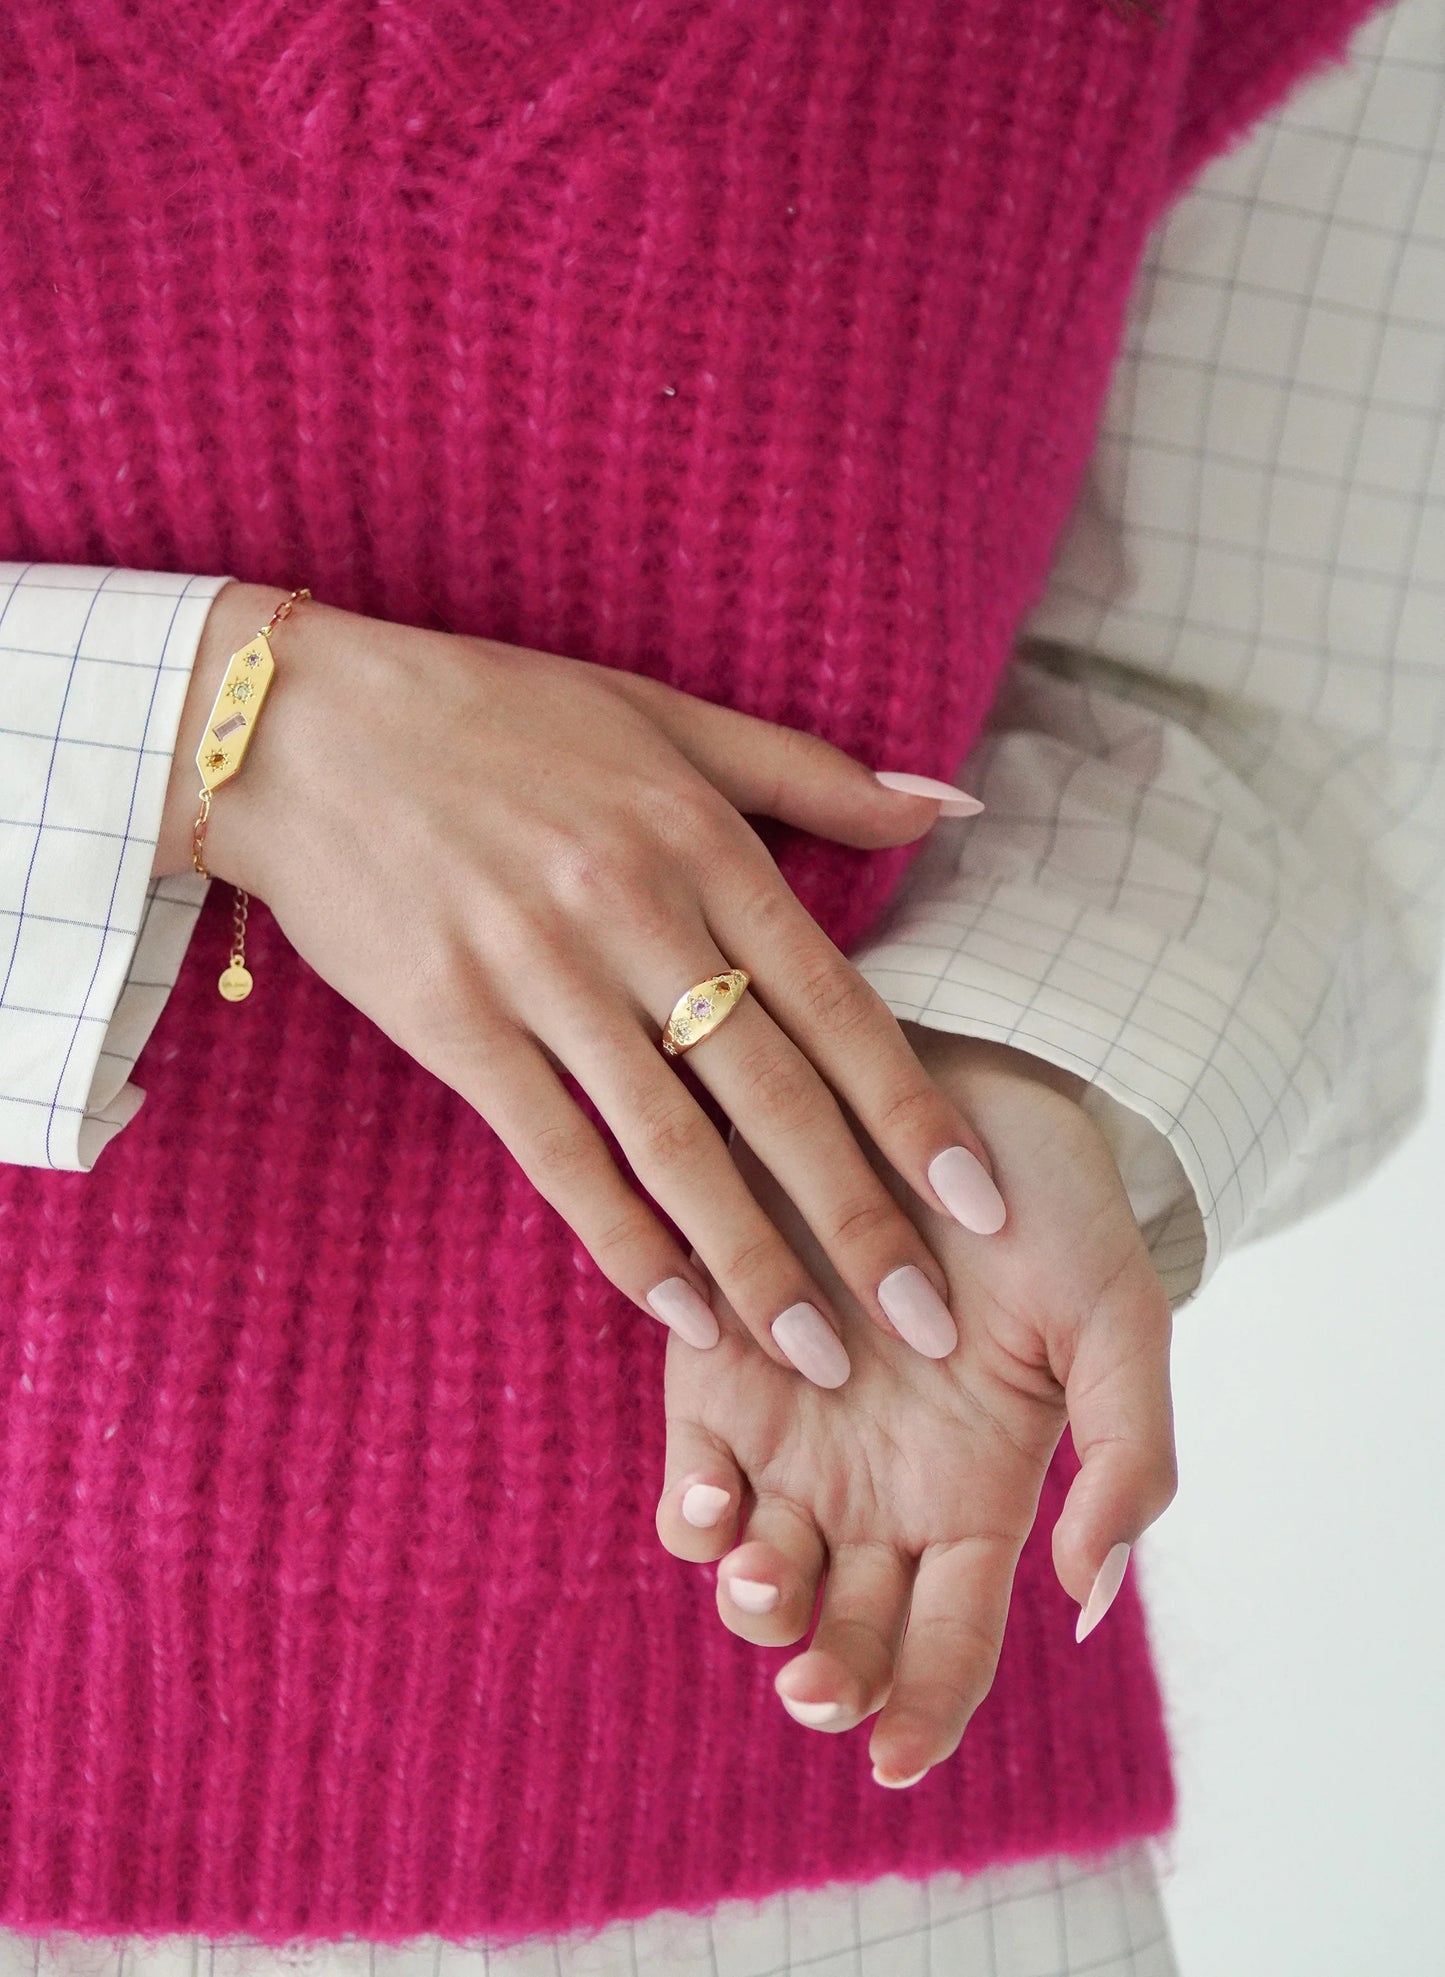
790,1119
682,1161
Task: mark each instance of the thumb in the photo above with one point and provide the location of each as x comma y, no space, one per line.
1121,1416
767,770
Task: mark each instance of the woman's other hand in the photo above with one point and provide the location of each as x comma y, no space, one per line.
515,863
912,1491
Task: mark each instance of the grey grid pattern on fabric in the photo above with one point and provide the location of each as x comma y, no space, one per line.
95,666
1048,1918
1209,874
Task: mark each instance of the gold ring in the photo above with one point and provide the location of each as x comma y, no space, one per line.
702,1008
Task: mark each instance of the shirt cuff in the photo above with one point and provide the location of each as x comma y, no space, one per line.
101,659
994,985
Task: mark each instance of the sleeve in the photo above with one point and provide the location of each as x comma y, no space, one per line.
1208,877
96,663
1245,58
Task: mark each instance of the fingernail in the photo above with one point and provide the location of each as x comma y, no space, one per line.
918,1312
1101,1594
963,1185
899,1784
814,1714
702,1505
752,1595
688,1313
956,802
809,1341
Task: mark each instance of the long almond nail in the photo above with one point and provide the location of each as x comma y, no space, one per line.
919,1314
702,1505
752,1595
688,1313
1101,1594
963,1185
806,1337
955,802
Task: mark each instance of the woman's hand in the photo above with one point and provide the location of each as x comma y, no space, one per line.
917,1484
514,863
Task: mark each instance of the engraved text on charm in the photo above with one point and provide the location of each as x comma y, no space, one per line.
235,983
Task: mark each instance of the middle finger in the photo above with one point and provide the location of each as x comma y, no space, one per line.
781,1106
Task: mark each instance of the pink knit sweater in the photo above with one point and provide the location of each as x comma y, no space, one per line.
759,348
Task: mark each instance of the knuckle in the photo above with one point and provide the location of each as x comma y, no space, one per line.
765,905
859,1220
616,1238
756,1256
910,1109
836,998
673,1135
859,1639
558,1153
443,995
797,755
1164,1480
683,816
616,881
972,1649
780,1083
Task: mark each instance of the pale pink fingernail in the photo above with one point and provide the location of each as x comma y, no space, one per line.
955,802
899,1784
804,1334
963,1185
1101,1594
918,1312
752,1595
686,1310
814,1714
702,1505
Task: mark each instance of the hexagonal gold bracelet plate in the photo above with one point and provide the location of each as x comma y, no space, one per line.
238,702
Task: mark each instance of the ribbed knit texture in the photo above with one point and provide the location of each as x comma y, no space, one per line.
756,348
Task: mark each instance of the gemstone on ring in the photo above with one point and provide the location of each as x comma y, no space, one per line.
701,1007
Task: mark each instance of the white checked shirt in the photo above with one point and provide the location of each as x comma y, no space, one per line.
1208,877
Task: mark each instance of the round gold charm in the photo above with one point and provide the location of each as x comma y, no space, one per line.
235,984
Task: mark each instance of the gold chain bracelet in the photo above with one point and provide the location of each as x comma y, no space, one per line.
228,731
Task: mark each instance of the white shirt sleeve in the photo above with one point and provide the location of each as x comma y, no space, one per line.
96,663
1208,877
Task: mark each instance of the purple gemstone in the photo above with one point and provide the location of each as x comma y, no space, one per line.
701,1007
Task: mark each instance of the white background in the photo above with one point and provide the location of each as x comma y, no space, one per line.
1296,1591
